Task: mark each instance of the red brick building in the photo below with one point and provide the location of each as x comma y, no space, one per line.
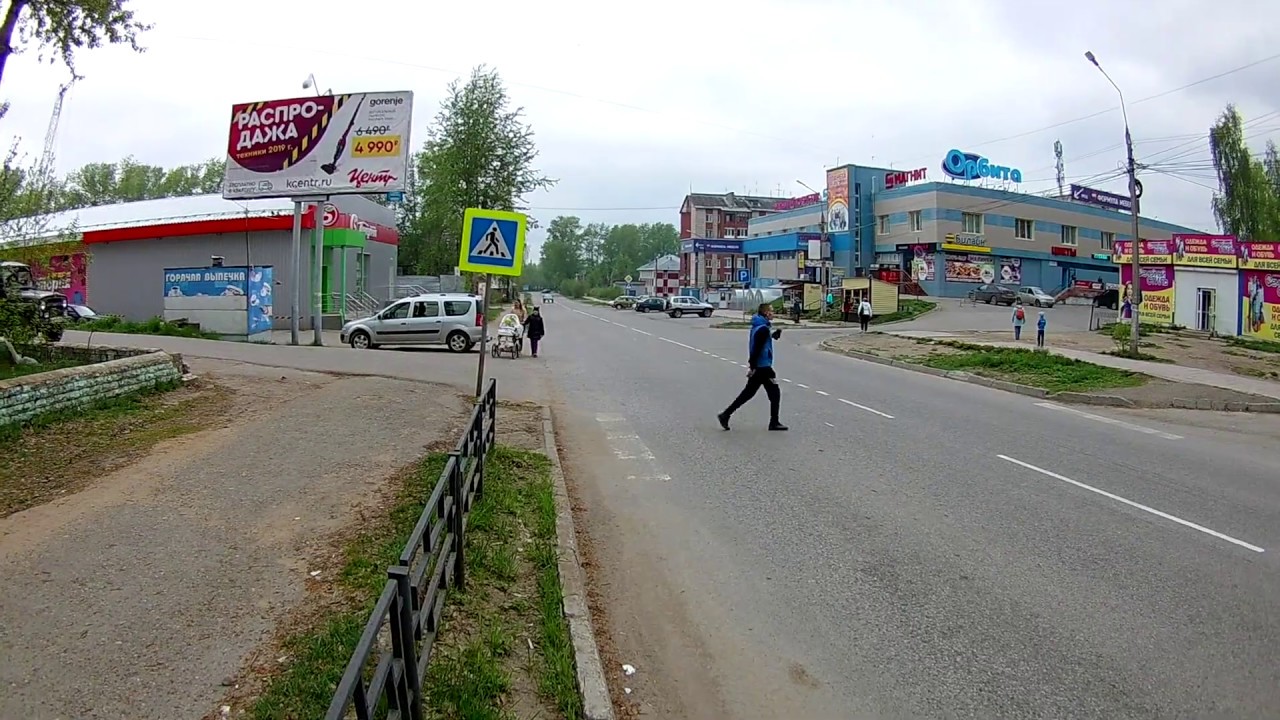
722,218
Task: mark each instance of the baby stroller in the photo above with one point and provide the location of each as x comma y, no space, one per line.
510,336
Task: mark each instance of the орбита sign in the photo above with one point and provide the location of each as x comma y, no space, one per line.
971,166
325,145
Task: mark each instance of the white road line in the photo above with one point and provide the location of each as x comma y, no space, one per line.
642,332
806,387
1130,503
677,344
1111,421
828,424
823,393
626,445
864,407
786,379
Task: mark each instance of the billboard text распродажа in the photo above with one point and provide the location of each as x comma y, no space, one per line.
318,146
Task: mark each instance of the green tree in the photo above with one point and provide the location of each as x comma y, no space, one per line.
479,153
128,181
1247,203
562,252
60,28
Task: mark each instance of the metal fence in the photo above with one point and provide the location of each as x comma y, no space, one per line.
384,676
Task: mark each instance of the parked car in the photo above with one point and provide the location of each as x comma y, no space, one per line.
81,313
681,304
651,304
1032,295
995,295
450,319
622,302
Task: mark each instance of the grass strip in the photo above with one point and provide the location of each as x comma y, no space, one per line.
1054,373
154,326
502,639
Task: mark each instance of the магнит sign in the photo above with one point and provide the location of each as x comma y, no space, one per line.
326,145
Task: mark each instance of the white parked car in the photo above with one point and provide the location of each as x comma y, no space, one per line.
1032,295
679,305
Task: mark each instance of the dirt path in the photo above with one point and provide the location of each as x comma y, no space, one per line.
141,595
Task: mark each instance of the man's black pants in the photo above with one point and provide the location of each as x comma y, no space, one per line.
762,377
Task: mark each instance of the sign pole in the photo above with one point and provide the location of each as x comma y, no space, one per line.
484,335
296,272
317,290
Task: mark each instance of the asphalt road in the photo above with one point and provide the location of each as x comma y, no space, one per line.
914,547
950,315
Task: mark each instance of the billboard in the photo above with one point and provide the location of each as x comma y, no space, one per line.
1260,256
1157,292
324,145
838,200
1212,251
1100,198
1151,252
1260,304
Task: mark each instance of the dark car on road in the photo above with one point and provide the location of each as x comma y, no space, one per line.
652,304
995,295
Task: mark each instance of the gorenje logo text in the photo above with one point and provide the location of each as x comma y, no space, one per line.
971,166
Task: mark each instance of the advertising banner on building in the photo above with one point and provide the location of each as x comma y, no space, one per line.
970,268
1101,198
323,145
922,269
64,274
1011,271
1259,256
1157,292
838,200
1212,251
1152,252
261,280
1260,304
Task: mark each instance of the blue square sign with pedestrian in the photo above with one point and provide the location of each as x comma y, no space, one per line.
492,242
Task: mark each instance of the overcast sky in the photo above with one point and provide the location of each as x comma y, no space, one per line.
633,104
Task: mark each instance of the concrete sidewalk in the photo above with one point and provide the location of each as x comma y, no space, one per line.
1174,373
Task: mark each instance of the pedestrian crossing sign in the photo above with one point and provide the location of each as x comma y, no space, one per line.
492,242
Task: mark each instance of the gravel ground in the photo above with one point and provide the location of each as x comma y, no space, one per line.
157,581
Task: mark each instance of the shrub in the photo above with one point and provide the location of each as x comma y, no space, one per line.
605,293
573,288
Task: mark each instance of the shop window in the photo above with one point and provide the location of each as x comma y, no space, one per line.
1024,229
915,219
972,223
884,224
1070,236
1108,240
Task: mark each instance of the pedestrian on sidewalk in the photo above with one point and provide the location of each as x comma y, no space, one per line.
847,311
864,313
760,371
1019,319
797,308
1041,323
534,329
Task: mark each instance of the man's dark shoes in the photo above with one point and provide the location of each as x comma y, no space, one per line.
777,427
724,420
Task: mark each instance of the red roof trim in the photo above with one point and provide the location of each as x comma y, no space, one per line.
223,226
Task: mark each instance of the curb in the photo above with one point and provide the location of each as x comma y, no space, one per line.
1066,396
594,690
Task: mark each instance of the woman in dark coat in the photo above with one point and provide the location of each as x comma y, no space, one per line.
534,329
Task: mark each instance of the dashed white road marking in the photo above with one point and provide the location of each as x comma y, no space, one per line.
824,422
868,409
1130,503
626,445
1111,421
798,384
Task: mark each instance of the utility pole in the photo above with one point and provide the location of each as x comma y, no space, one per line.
1135,320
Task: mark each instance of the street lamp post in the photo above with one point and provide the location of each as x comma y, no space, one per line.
823,272
1136,244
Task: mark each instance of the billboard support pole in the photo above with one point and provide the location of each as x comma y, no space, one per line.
317,290
295,261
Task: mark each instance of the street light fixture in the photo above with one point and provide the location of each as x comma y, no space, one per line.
823,273
1135,292
310,83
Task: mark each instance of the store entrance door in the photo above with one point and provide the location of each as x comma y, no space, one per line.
1205,309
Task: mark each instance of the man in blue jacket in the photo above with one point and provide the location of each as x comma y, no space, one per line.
759,369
